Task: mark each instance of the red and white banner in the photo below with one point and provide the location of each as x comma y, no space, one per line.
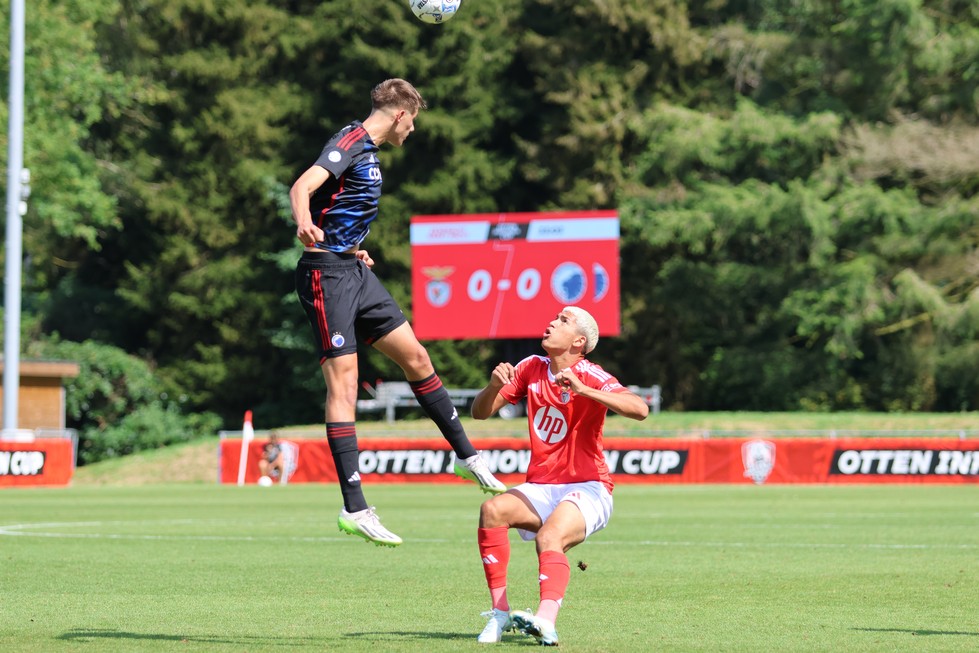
43,461
654,460
506,275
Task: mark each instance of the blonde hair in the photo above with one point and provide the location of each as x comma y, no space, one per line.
587,326
399,94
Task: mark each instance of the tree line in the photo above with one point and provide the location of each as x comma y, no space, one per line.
796,184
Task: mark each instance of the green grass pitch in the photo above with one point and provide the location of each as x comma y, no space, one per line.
191,567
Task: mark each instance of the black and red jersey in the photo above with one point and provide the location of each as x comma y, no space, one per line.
346,204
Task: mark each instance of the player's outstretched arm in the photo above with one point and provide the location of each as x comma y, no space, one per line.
623,402
628,404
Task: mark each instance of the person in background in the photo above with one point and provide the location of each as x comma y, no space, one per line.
271,465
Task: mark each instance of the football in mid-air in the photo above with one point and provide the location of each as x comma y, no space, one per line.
434,11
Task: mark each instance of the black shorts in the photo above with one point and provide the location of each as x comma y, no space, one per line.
344,302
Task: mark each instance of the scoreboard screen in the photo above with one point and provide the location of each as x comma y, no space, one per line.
506,275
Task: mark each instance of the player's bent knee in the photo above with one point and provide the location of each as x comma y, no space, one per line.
550,539
418,363
493,513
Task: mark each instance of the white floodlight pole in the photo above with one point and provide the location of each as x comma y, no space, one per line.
16,207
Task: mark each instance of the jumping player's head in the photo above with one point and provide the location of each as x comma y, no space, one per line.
394,105
397,94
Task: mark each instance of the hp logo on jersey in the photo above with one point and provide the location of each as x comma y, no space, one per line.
550,425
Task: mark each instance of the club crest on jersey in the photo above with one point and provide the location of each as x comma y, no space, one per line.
759,459
438,290
334,156
550,425
337,340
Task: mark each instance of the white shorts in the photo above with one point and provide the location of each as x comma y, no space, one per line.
592,498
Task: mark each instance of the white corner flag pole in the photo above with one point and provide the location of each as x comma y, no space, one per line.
247,435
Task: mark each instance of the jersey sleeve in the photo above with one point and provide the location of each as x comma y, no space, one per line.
516,389
339,153
595,377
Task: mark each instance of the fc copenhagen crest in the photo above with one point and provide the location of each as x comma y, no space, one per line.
438,290
569,283
759,459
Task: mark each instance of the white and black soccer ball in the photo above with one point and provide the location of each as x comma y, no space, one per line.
434,11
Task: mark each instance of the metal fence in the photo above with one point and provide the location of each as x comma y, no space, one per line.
389,396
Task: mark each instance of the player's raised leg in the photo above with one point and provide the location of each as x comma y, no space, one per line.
356,517
401,346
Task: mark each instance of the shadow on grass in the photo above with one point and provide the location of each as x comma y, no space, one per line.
919,631
405,636
402,635
92,634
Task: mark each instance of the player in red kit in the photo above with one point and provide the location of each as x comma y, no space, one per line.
568,492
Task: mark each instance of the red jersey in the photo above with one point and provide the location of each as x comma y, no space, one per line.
565,429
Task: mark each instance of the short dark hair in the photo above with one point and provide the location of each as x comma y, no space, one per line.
399,94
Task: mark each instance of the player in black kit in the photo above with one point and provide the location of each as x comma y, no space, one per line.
334,203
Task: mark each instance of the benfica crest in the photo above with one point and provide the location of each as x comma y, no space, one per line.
438,291
759,459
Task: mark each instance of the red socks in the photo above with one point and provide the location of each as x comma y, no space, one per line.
555,572
554,575
494,549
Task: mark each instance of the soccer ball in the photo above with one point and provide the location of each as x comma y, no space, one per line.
265,481
434,11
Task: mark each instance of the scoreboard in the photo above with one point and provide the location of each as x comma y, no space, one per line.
506,275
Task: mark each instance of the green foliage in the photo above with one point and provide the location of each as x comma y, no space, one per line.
864,60
117,403
797,184
780,283
153,426
69,90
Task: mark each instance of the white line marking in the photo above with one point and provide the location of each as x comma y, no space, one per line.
27,530
787,545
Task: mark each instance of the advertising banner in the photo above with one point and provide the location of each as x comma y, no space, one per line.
43,461
506,275
654,460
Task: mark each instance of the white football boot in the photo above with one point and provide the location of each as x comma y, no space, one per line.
499,622
475,469
541,630
365,524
